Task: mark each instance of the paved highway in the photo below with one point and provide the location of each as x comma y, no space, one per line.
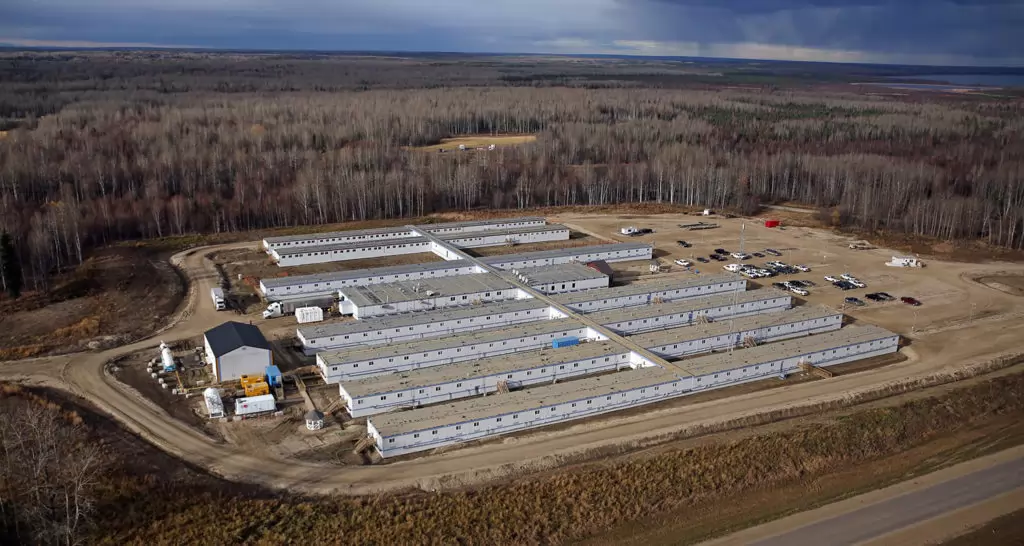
893,515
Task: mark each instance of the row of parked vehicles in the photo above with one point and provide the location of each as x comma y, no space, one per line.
845,281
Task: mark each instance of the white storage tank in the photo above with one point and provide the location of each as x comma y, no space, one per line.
166,358
305,315
214,404
252,405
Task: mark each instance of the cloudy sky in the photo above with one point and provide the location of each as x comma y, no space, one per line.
962,32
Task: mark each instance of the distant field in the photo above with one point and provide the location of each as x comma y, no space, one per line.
476,141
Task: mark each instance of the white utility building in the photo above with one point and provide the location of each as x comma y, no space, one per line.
355,363
399,433
903,261
235,349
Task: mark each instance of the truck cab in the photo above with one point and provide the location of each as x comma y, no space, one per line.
217,295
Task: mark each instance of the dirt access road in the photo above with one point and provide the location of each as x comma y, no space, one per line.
941,346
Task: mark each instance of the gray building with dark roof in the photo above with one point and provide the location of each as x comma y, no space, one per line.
234,349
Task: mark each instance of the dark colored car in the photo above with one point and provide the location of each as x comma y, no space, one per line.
780,285
758,255
721,251
844,285
885,296
800,284
683,244
874,297
854,301
703,260
773,252
910,301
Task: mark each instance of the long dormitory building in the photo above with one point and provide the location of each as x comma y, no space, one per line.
447,382
398,433
357,250
448,321
329,283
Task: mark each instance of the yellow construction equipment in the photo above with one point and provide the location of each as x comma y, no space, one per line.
256,389
254,385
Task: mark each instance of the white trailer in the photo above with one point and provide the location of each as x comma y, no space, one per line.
217,295
254,405
306,315
287,306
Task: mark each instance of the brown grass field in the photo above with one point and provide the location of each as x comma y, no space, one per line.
477,141
670,494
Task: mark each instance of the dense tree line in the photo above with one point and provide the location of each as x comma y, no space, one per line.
120,157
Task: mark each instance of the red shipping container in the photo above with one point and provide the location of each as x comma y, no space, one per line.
771,223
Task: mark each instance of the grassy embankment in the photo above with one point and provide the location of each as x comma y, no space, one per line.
664,495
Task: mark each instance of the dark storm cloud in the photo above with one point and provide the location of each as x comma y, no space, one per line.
955,31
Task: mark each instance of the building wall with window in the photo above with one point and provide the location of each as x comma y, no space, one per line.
370,366
312,344
763,334
370,404
669,320
484,426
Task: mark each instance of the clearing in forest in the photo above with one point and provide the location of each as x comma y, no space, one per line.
476,141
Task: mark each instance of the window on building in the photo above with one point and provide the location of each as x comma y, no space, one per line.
416,435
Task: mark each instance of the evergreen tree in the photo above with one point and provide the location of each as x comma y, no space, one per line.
10,267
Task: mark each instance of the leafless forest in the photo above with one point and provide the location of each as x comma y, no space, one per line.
105,147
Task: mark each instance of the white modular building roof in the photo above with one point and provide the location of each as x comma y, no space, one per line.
486,335
378,294
354,327
496,365
643,287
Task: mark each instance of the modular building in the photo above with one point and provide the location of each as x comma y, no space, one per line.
426,295
234,349
559,278
436,384
618,252
643,293
739,332
644,318
463,379
399,433
384,234
356,363
408,327
785,357
357,250
330,283
335,237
